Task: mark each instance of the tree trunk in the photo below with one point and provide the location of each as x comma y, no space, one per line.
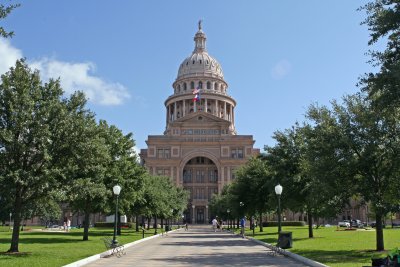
379,233
261,223
148,223
162,223
155,225
137,223
86,226
16,224
310,229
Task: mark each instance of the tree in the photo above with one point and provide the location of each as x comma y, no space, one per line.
28,112
5,10
383,87
373,139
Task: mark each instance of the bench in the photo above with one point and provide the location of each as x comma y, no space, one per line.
116,249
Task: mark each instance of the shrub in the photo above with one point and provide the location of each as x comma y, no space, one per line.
110,224
284,223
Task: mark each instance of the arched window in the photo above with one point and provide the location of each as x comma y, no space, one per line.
200,85
208,85
179,88
215,86
184,86
191,85
222,88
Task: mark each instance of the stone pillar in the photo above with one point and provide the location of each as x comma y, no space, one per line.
225,117
175,110
205,105
216,108
184,108
168,113
231,113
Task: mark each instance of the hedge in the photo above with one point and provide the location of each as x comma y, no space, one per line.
284,223
111,224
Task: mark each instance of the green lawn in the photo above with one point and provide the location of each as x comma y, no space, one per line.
57,249
332,247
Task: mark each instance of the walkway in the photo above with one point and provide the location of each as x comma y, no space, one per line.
199,246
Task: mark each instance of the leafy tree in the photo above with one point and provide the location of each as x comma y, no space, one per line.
29,110
383,20
5,10
373,140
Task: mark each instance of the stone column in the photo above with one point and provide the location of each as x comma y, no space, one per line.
231,113
225,117
184,108
175,110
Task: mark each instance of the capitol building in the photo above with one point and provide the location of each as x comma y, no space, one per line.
200,148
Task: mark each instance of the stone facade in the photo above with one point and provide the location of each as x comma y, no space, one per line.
200,148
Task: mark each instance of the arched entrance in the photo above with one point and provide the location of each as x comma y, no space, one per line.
200,178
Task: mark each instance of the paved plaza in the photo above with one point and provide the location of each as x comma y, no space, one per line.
199,246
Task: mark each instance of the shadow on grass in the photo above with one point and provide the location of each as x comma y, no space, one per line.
335,257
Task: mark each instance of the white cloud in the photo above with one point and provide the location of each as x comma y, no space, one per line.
281,69
8,55
73,76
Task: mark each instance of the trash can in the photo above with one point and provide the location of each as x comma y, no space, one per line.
285,240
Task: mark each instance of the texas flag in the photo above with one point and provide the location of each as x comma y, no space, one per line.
196,93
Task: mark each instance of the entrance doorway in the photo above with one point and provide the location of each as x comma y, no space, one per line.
200,215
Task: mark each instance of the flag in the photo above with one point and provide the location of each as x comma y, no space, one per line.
196,93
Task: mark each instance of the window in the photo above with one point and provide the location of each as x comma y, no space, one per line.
237,153
163,153
191,85
200,85
215,86
184,86
208,85
213,176
179,88
187,176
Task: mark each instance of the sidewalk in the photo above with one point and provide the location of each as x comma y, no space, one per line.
199,246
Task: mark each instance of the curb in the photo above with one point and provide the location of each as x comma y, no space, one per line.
93,258
289,254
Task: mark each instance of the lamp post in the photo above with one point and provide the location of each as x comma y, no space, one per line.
116,190
278,192
193,206
228,211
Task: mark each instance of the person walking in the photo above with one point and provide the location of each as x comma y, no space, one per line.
242,226
215,224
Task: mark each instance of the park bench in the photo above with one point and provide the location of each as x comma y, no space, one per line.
116,249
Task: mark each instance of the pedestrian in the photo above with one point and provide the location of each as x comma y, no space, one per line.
215,224
68,225
242,226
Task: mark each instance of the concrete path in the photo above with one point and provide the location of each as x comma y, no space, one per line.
199,246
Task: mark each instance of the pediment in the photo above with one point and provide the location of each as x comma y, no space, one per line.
200,118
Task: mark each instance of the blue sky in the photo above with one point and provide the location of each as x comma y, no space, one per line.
278,57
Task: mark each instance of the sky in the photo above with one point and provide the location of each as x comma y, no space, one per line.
278,57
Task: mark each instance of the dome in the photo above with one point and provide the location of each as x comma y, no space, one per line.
200,63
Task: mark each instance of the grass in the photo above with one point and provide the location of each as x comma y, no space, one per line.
42,249
331,247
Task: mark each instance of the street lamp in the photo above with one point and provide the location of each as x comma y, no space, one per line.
193,206
228,211
278,192
116,190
